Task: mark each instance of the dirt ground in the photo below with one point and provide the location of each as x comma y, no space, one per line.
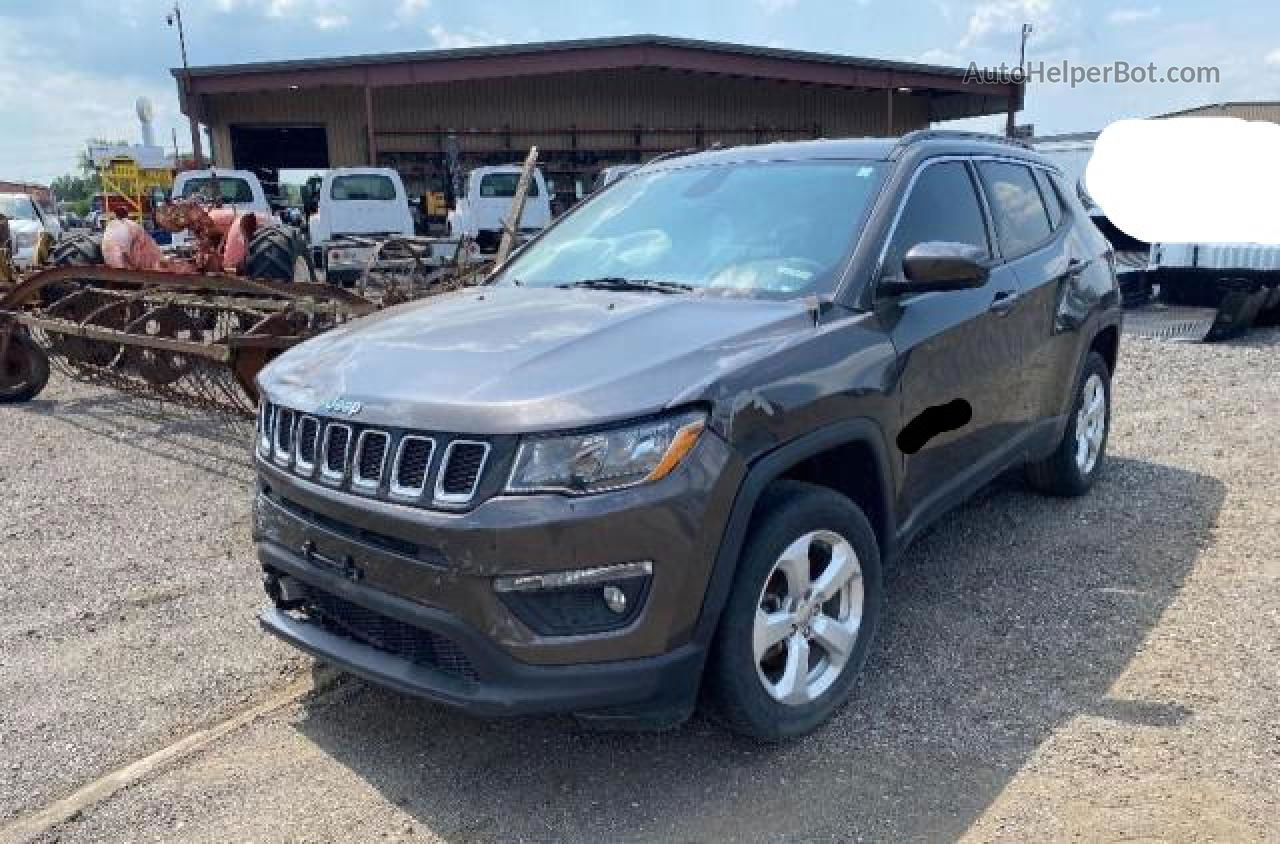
1106,668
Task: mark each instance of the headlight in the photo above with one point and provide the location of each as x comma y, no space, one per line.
596,461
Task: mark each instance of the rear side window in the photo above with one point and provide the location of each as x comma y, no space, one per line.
228,190
942,206
1022,221
1052,199
503,185
363,186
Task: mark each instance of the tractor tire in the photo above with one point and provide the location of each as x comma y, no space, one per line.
24,371
277,253
79,250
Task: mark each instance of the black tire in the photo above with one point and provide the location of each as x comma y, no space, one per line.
80,250
274,254
1061,473
787,511
24,371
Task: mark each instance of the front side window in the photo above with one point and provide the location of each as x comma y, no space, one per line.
943,206
770,229
1022,221
225,189
363,186
503,185
18,208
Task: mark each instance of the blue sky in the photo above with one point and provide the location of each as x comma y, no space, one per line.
70,70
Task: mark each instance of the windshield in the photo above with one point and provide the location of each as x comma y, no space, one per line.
362,187
229,190
17,208
775,229
503,185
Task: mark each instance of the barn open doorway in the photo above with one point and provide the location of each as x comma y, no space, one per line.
266,150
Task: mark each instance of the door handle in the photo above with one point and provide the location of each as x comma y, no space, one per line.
1004,302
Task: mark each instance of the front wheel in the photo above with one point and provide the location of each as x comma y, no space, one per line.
801,614
1077,461
24,369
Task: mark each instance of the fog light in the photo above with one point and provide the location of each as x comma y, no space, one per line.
577,602
615,599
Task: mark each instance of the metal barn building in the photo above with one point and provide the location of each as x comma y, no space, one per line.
1255,110
586,104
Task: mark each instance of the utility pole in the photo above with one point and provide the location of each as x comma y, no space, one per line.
174,18
1022,80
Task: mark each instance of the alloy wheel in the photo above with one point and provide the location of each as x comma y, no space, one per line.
808,617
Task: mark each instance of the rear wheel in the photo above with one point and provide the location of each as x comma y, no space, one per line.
277,253
24,369
799,620
77,250
1077,461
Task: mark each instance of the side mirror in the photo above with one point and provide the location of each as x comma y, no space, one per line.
939,266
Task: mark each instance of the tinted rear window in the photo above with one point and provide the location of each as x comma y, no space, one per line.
363,186
503,185
1052,200
228,190
1022,222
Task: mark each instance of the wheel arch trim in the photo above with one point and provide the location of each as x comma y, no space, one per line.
767,469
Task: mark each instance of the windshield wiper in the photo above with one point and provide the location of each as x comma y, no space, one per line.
618,283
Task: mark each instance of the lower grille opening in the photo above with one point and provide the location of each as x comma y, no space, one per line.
421,647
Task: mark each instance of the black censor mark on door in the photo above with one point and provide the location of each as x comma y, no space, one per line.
933,421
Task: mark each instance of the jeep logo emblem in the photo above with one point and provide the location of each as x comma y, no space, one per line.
344,406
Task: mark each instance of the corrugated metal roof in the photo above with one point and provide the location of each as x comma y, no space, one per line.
503,50
1230,106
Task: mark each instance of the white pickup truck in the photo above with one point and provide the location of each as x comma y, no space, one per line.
26,222
481,213
353,206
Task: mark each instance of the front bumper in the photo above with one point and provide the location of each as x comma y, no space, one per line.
435,571
497,684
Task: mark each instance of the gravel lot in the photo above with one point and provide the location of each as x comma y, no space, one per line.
129,587
1103,668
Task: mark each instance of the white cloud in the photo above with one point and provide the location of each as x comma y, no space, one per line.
448,39
409,8
1122,17
41,142
323,14
771,7
997,23
1273,58
330,21
941,57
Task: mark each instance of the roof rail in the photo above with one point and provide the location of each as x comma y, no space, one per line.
956,135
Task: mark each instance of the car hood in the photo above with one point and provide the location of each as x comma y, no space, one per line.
510,360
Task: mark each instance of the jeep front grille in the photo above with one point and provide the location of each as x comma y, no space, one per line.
463,462
407,467
371,457
337,450
308,444
413,459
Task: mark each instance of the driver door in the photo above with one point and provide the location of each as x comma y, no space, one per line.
958,366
